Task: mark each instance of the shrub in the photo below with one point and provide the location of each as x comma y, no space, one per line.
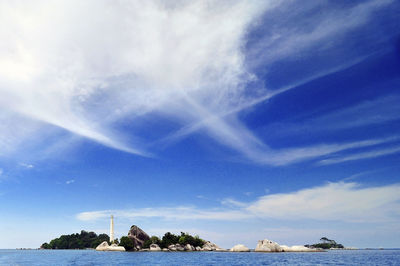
127,243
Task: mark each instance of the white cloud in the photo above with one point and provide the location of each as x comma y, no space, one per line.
361,155
171,213
27,165
292,155
290,41
184,62
232,203
68,182
334,201
346,202
126,60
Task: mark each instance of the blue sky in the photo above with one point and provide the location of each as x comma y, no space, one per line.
234,120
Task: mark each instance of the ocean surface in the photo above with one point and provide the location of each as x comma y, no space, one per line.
91,257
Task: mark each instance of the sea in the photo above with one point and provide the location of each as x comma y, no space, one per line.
92,257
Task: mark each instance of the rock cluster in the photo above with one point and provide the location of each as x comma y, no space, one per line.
208,246
105,247
271,246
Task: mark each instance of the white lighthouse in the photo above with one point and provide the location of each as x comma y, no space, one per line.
112,229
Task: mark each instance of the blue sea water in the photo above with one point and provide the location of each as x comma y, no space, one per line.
91,257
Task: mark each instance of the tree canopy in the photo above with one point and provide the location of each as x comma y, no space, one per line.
126,242
76,241
169,238
326,244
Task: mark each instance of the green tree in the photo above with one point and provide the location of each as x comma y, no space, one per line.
198,241
186,238
169,239
80,240
152,240
45,246
127,243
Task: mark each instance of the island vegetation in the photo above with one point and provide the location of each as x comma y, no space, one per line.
326,244
168,239
83,240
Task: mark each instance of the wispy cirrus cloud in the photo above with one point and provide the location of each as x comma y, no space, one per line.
293,155
366,113
171,59
361,155
145,58
346,202
290,39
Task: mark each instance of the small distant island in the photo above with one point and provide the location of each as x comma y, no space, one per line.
326,244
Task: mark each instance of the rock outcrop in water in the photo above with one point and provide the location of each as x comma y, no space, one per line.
271,246
105,247
138,236
240,248
155,247
208,246
268,246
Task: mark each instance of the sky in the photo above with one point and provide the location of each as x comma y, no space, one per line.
234,120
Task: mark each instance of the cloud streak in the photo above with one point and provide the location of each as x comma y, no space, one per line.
362,155
346,202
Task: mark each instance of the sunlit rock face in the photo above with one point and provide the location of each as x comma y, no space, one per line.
155,247
208,246
240,248
271,246
268,246
105,247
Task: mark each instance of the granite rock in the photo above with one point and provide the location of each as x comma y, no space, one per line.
240,248
138,236
268,246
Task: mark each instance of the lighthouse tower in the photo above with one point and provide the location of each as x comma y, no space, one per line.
112,229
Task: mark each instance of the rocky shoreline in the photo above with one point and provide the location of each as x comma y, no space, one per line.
262,246
139,238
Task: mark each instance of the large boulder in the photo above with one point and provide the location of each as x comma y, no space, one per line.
189,247
172,247
208,246
138,236
240,248
179,247
105,247
155,247
268,246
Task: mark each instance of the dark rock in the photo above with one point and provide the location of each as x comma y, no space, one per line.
138,236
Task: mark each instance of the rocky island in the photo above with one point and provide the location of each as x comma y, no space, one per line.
138,240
